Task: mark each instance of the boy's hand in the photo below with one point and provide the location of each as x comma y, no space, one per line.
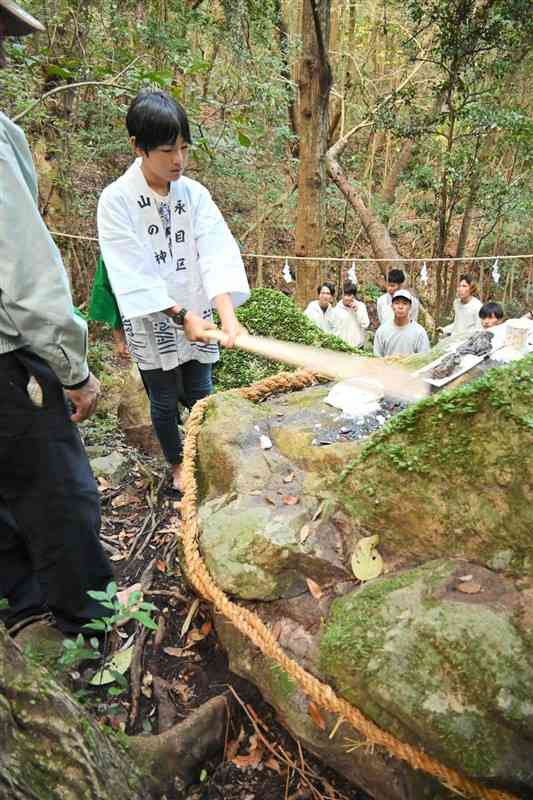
195,328
85,399
231,329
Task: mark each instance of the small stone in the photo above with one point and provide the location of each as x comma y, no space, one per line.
265,442
113,467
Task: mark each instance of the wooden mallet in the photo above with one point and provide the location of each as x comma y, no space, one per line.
396,381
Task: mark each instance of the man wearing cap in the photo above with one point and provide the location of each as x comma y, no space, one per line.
401,335
50,552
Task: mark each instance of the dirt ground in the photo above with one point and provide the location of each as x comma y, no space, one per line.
182,664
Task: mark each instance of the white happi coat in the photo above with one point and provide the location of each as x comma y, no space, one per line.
152,266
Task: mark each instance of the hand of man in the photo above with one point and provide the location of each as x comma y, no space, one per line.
85,399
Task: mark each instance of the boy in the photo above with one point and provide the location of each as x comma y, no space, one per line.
490,314
170,257
395,281
320,311
401,336
350,317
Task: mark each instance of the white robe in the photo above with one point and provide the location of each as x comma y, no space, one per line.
351,323
147,275
316,315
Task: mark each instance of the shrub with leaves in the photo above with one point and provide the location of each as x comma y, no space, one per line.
270,313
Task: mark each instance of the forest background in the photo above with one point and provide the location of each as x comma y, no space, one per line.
327,128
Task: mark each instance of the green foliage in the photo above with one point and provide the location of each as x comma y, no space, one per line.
269,313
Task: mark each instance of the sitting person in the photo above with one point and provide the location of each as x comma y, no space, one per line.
490,314
350,317
400,336
395,281
465,308
320,311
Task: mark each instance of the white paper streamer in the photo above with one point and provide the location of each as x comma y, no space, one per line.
496,272
424,274
351,274
287,272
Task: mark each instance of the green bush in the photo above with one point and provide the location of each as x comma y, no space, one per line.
269,313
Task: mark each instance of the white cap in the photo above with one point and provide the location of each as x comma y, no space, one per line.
402,293
17,21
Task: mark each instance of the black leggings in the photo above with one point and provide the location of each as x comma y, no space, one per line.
50,552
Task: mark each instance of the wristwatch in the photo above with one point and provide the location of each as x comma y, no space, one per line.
179,317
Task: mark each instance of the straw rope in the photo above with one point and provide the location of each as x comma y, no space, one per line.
254,629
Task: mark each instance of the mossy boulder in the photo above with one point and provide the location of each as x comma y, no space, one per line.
448,486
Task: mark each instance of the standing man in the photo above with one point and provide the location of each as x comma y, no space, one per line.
401,336
50,552
320,311
350,317
395,281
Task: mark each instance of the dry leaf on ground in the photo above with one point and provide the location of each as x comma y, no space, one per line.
288,478
469,588
304,533
314,712
314,588
290,499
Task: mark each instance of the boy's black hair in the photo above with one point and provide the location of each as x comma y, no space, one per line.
491,309
328,285
396,276
349,287
154,118
466,278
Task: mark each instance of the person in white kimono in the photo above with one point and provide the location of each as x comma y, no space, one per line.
170,258
320,311
350,317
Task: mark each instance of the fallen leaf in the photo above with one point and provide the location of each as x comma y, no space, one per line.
316,716
289,478
177,652
276,630
465,577
161,565
273,764
270,500
124,500
304,533
117,557
120,662
206,628
196,635
314,588
469,588
290,499
243,762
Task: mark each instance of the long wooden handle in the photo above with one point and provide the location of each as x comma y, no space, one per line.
396,381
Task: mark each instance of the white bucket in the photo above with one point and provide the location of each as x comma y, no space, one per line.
517,334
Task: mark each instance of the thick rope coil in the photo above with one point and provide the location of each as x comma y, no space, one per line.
254,629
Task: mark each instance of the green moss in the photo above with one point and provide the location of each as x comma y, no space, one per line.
283,687
270,313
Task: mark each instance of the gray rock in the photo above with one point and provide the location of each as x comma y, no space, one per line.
113,467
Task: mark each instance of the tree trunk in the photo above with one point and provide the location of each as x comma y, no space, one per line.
377,233
314,85
50,749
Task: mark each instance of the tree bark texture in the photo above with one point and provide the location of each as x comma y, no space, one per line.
314,84
50,749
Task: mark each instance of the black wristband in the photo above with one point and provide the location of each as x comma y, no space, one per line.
179,317
78,385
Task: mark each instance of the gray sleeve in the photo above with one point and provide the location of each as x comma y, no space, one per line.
379,344
422,342
35,301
